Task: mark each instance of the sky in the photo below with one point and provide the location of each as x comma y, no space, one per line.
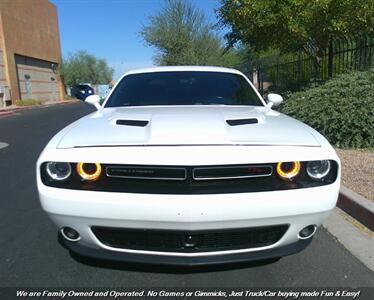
110,29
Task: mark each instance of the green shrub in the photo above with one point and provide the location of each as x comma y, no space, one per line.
342,109
28,102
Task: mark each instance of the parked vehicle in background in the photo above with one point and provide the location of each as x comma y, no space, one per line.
81,91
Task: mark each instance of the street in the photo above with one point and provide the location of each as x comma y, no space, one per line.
30,255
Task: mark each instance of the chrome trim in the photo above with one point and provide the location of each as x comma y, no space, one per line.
188,254
67,238
141,177
309,236
232,177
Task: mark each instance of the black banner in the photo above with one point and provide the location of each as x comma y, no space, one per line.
187,293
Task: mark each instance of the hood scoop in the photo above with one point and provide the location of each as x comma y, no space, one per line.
187,125
237,122
137,123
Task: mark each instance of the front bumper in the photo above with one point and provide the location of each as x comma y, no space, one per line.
196,261
83,209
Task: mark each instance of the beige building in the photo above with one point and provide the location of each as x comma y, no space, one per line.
30,51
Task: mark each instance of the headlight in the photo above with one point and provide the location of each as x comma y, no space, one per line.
318,169
58,170
89,171
288,170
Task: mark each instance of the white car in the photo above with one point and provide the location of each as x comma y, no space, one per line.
187,166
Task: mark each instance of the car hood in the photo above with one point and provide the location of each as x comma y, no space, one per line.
187,125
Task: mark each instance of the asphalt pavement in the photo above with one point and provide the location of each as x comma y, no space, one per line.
30,255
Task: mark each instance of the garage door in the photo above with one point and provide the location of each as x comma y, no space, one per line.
37,79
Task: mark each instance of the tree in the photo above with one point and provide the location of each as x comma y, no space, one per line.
182,35
80,67
289,25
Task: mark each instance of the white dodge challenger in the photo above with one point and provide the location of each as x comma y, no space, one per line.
187,166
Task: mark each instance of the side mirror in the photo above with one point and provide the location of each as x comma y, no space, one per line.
274,100
94,100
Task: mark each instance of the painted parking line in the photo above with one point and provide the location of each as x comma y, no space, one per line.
3,145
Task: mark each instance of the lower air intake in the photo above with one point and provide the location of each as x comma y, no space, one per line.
189,241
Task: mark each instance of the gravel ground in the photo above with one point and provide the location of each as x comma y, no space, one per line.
358,171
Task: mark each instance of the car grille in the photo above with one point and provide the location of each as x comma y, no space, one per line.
197,173
146,173
188,180
189,241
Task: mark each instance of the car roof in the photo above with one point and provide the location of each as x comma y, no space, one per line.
183,68
81,84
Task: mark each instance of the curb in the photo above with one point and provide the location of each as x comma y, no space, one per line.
10,111
6,113
357,206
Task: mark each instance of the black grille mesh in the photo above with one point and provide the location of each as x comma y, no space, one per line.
189,241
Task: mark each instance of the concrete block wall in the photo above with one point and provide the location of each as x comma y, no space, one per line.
40,76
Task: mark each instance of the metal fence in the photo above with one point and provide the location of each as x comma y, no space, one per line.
290,73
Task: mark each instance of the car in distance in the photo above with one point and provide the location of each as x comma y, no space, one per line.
81,91
187,166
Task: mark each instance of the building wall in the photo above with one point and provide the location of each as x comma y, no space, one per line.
2,66
37,79
4,85
30,29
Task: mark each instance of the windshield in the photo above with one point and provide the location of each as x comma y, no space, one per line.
183,88
82,86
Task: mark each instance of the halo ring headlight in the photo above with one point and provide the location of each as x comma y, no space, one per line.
89,171
58,171
318,169
288,170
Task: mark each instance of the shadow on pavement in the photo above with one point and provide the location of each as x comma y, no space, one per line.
138,267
